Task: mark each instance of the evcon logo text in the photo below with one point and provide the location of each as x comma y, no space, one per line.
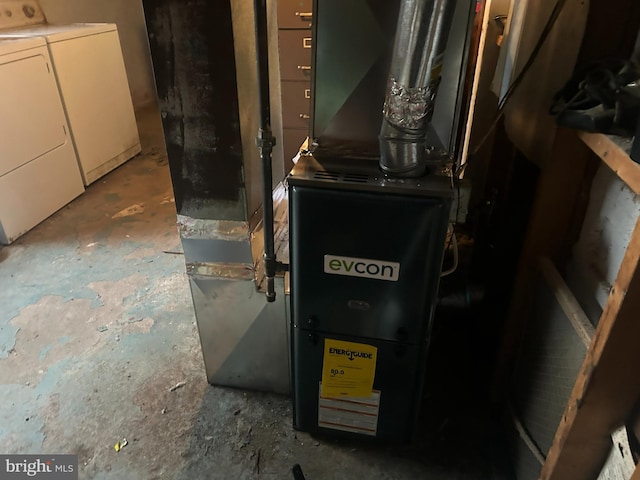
361,267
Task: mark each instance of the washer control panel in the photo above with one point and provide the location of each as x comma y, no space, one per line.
20,13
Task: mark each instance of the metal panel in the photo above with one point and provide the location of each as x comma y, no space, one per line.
398,376
363,221
366,226
103,126
351,54
32,115
28,195
244,46
244,338
550,360
38,168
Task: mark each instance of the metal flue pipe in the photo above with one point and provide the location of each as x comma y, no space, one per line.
414,76
265,142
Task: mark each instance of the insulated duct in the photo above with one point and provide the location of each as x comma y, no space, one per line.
414,76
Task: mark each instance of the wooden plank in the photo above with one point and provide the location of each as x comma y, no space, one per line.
567,301
636,473
607,387
611,153
475,84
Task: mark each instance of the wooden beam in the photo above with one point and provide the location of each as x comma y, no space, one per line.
476,82
607,386
610,150
567,301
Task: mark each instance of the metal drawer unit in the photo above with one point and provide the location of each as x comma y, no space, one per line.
294,43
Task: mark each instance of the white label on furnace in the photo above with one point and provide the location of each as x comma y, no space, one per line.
353,414
361,267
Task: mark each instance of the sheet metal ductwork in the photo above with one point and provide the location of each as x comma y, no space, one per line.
414,78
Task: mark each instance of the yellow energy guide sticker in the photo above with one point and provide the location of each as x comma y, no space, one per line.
348,369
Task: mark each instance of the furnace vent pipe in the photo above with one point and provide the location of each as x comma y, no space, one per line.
414,76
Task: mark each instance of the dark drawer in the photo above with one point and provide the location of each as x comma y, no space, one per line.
296,100
294,13
295,54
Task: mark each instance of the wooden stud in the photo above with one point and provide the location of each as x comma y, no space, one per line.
607,386
567,301
611,152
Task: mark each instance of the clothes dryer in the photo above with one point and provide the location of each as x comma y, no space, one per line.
88,64
39,172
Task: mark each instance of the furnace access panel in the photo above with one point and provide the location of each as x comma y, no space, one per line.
366,255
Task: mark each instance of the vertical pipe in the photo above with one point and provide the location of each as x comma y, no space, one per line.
420,42
265,142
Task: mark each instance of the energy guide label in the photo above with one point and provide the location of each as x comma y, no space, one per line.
353,414
348,369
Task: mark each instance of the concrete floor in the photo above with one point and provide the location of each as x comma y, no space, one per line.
97,325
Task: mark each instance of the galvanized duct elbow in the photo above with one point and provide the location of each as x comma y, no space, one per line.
414,76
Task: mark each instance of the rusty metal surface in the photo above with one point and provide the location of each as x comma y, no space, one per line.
237,271
193,59
198,228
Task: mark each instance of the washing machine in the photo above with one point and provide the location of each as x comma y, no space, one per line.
88,64
39,171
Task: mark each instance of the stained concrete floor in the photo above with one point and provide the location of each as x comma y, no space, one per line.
97,326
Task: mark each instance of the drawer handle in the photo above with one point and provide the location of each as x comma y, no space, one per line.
304,116
307,93
304,67
306,42
304,15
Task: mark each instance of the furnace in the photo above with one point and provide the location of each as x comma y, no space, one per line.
366,253
369,208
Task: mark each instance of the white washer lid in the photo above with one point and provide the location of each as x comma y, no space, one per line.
56,33
12,45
